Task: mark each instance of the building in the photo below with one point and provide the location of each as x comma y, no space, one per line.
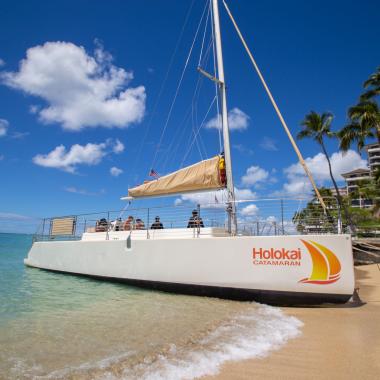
353,178
342,191
373,152
357,176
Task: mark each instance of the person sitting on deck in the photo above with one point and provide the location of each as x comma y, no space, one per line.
195,220
129,223
139,224
101,225
117,225
157,225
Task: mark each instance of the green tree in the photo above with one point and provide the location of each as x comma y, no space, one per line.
312,218
372,85
369,189
364,123
317,127
364,118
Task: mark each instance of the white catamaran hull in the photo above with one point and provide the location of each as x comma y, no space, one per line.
281,269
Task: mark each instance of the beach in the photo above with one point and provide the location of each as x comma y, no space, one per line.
69,327
337,342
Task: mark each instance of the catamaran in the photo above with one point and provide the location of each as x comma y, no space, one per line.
208,258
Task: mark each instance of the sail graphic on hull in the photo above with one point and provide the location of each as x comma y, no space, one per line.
326,266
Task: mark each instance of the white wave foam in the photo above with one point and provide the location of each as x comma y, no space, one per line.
250,335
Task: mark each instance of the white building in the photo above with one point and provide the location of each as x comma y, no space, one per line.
373,151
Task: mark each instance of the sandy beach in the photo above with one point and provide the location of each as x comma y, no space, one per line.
336,342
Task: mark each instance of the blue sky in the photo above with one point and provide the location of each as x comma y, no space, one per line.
315,56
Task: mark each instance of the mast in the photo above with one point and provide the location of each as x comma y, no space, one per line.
224,112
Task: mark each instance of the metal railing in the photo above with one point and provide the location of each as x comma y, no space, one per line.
259,217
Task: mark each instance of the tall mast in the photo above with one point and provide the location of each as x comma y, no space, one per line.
224,112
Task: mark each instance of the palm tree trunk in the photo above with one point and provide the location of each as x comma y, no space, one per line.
339,197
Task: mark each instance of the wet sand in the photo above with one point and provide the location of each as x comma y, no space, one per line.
336,343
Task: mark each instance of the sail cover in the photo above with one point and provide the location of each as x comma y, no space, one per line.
204,175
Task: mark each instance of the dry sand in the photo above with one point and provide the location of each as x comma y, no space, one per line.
336,343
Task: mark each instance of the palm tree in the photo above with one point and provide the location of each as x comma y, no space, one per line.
372,84
364,117
364,123
318,127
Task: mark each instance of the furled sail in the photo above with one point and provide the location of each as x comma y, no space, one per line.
205,175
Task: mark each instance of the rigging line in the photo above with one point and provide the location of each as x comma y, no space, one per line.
196,101
178,87
175,150
195,98
282,120
195,136
201,142
204,35
217,94
182,130
163,84
178,137
192,143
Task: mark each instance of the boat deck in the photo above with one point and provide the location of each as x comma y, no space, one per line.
173,233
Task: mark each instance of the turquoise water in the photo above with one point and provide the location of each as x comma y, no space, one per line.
66,327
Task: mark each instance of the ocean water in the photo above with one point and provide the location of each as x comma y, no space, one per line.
56,326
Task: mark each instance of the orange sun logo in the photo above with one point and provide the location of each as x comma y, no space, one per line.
326,266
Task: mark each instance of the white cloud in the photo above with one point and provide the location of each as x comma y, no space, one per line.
250,210
242,149
19,135
244,194
80,90
13,216
33,109
118,147
74,190
237,120
2,157
115,172
215,198
254,175
341,163
68,160
268,144
2,62
4,124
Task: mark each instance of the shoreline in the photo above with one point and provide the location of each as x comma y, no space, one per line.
337,342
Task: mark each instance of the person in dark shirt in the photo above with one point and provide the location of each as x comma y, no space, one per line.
157,225
195,220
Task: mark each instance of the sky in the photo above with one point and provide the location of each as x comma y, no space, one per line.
89,101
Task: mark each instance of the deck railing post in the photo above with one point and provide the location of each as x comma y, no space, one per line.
340,224
108,224
282,216
43,228
147,226
199,220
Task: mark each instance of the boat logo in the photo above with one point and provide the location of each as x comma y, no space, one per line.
326,266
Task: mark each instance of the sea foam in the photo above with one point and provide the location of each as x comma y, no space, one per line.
249,335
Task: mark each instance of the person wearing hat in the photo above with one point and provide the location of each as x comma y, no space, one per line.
195,220
157,225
